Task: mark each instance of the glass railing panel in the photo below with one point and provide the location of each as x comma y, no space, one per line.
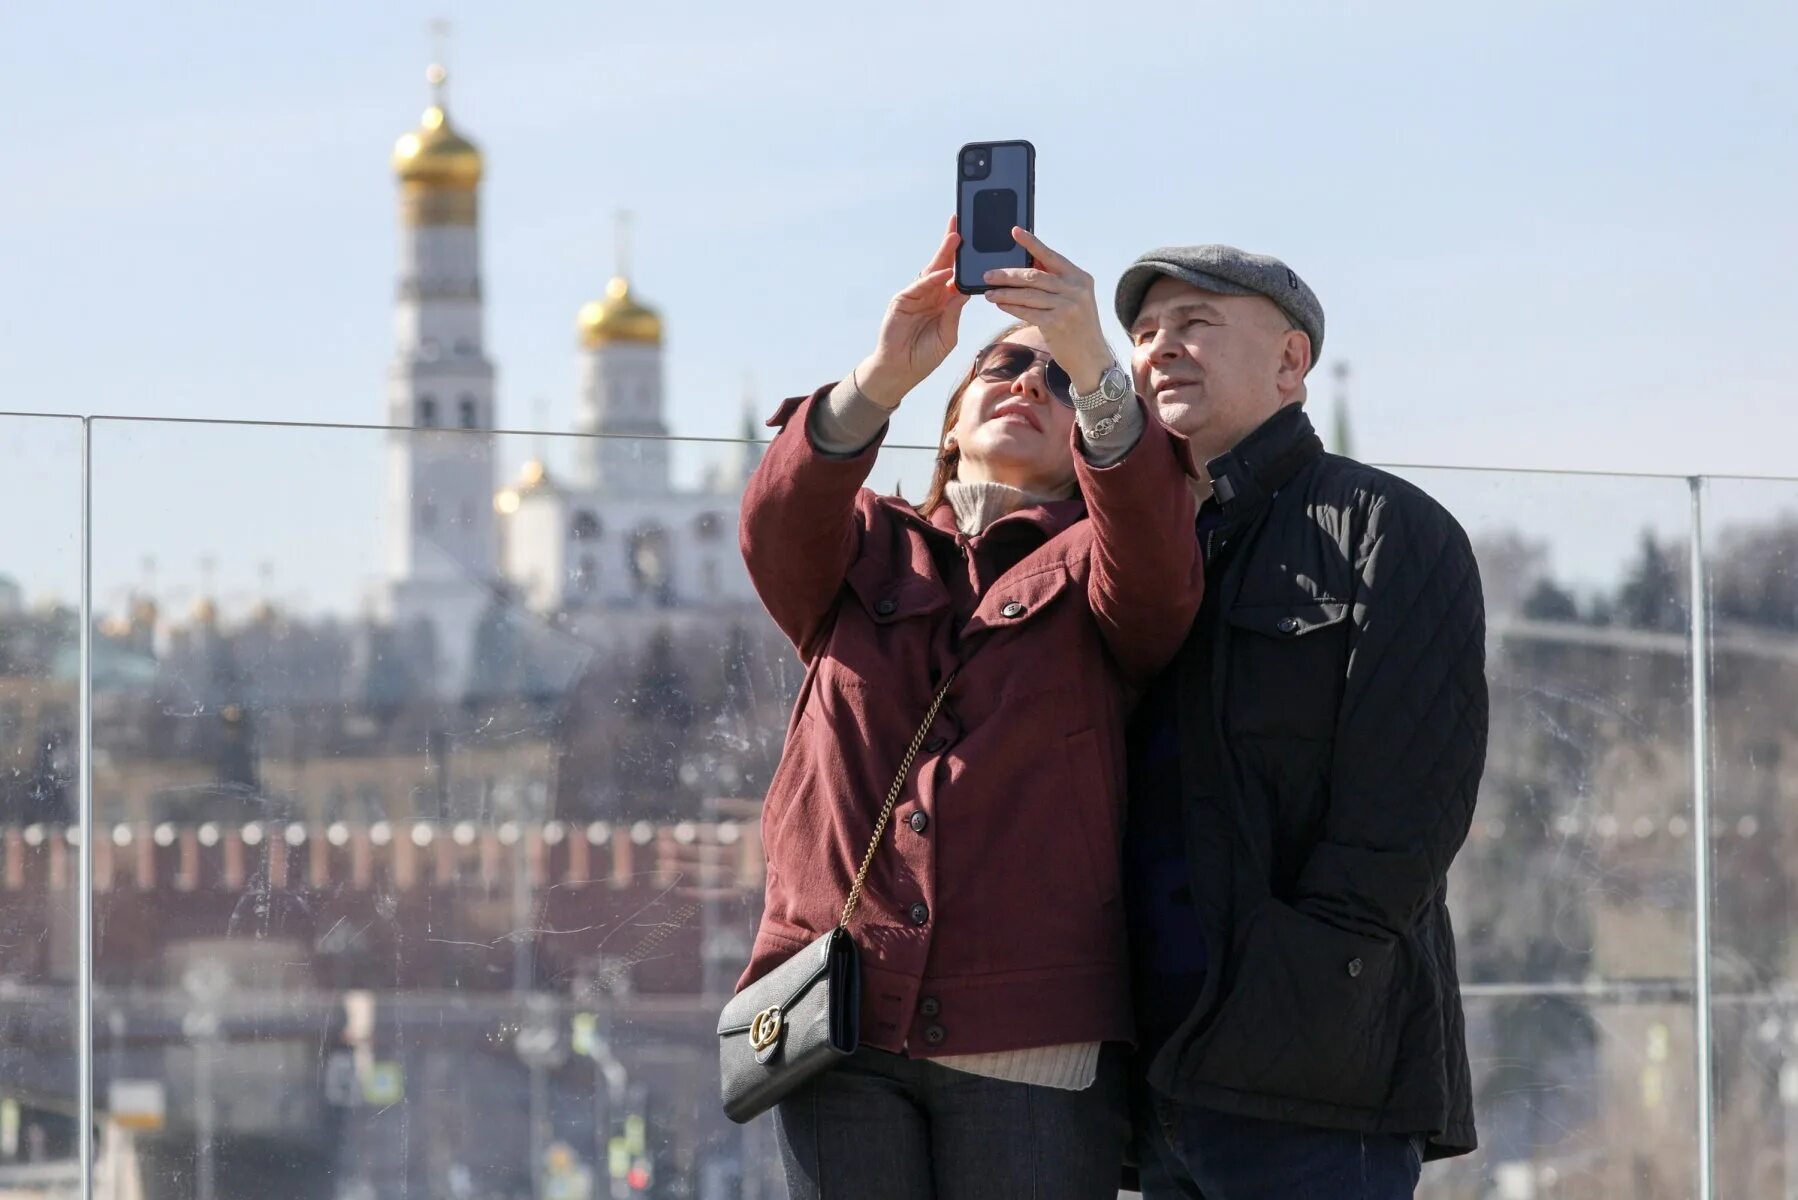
1574,898
434,785
1751,584
40,675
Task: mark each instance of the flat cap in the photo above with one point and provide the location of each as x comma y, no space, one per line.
1229,272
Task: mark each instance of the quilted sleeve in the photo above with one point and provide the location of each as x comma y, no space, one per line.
1411,731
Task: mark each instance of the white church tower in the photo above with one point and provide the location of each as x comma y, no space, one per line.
621,393
442,547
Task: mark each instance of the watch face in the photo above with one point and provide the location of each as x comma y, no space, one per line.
1114,384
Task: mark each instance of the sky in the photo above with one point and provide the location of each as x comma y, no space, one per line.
1547,235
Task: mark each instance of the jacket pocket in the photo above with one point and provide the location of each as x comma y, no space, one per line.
1287,663
1308,1014
1017,602
1090,797
888,596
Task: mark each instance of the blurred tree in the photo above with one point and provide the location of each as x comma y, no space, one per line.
1654,591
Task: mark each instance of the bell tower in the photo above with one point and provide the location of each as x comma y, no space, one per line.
442,545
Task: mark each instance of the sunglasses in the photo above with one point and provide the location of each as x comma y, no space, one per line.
1005,362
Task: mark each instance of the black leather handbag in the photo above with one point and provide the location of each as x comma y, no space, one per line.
803,1017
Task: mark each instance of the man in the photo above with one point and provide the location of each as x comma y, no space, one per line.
1302,776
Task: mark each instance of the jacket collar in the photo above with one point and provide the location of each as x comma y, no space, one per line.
1244,477
1049,518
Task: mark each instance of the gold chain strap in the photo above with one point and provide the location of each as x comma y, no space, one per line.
886,812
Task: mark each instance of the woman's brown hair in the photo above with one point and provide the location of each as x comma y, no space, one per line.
948,458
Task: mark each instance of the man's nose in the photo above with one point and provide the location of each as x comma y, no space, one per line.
1164,347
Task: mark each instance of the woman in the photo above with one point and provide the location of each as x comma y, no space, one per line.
1055,571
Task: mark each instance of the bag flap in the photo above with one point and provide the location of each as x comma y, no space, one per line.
779,988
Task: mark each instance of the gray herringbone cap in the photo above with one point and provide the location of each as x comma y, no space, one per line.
1229,272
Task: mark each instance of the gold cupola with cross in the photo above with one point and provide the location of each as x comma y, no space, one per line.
619,316
439,169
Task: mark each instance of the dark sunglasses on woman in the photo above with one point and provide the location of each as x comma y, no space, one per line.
1003,362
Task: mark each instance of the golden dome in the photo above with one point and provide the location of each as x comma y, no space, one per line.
618,318
434,154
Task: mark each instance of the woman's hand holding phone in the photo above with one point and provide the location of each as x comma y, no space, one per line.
1057,297
921,327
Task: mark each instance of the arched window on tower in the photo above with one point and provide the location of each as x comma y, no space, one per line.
468,410
585,526
650,565
427,412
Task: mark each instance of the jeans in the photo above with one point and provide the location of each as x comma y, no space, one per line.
1189,1153
881,1127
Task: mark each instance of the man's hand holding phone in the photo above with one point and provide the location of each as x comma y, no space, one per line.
1057,297
921,327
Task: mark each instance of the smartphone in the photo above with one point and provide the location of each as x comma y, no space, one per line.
995,189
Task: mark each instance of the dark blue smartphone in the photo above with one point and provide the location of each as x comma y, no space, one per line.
995,189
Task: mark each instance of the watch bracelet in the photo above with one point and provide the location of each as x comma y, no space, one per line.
1097,399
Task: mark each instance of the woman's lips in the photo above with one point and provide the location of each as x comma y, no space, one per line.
1018,410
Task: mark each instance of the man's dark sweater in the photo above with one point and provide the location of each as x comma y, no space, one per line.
1167,944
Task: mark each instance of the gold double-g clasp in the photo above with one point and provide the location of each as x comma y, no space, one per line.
764,1031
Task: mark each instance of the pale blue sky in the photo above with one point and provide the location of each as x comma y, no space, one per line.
1546,234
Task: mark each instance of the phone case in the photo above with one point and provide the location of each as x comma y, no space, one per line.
988,206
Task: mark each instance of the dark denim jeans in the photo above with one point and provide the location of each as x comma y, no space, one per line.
883,1127
1189,1153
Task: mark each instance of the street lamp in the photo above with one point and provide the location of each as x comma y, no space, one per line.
540,1046
610,1081
205,983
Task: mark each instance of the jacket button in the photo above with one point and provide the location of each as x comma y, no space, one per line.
936,745
930,1006
918,821
1289,625
887,607
1354,968
1013,609
920,913
935,1035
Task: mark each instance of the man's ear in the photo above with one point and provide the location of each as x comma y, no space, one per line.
1295,361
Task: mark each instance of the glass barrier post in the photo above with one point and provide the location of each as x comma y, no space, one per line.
84,886
1698,613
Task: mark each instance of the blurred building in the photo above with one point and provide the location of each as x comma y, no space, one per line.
616,534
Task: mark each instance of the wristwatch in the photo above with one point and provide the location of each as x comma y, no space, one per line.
1114,387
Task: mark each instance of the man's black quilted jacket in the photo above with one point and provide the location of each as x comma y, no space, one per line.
1332,737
